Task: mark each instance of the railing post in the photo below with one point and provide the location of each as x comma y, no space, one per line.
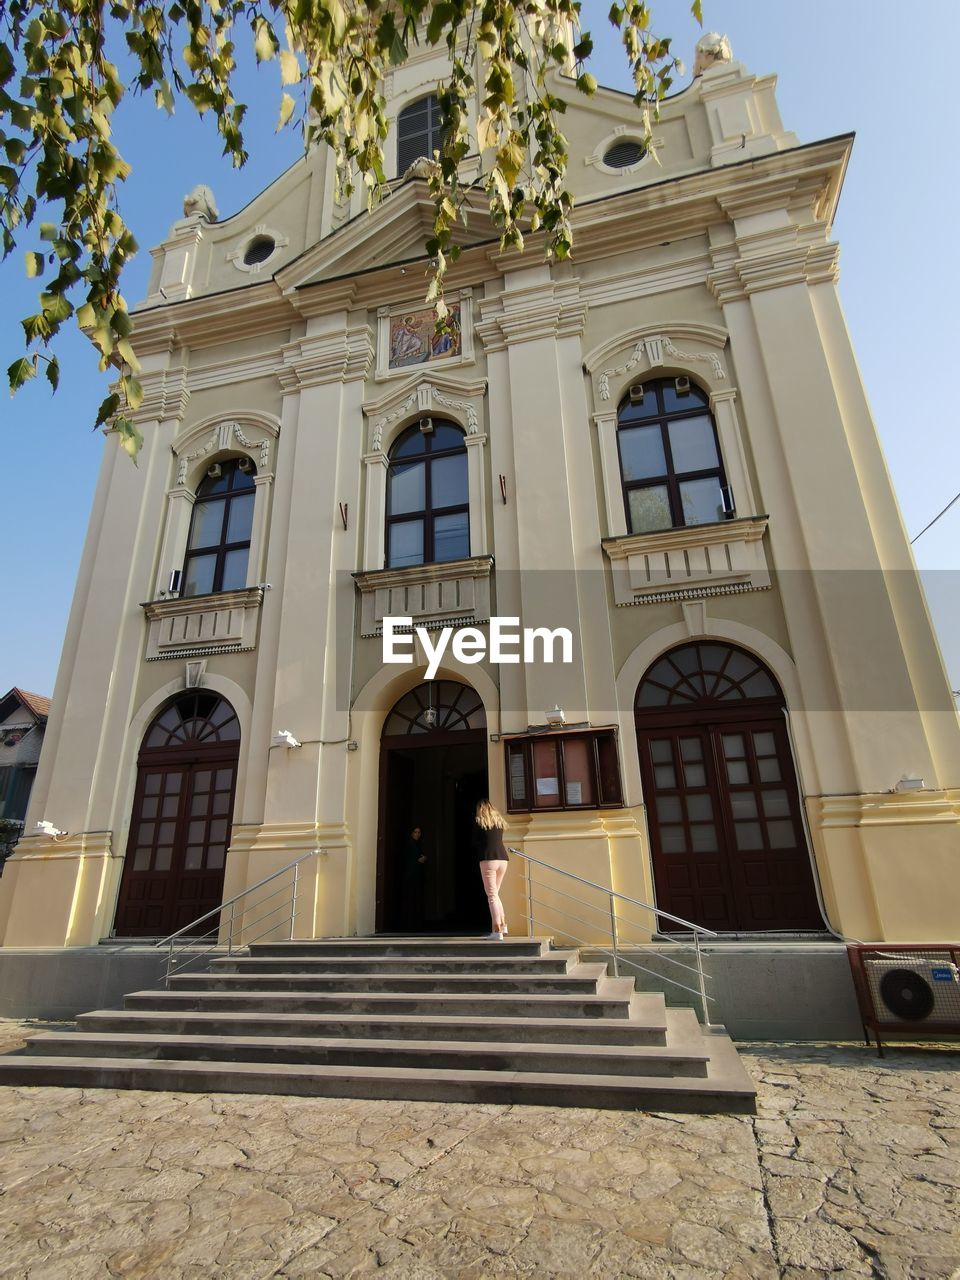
530,897
703,986
613,932
293,902
233,909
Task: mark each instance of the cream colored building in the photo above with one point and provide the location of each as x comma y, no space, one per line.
662,444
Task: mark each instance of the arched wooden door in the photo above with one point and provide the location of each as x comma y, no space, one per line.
728,842
182,813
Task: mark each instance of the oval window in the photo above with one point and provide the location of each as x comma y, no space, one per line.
623,154
258,250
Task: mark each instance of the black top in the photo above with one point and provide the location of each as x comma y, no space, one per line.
488,845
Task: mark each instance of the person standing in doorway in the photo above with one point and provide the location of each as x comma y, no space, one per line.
413,879
488,843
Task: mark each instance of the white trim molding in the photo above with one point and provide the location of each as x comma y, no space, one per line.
652,344
688,563
456,592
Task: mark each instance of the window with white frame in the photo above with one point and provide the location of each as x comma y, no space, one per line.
218,545
428,507
671,470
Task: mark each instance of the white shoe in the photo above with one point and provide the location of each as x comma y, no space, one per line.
505,929
498,937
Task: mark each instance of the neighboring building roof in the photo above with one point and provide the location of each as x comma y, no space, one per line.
35,703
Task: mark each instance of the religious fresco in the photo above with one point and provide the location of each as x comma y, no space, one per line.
414,340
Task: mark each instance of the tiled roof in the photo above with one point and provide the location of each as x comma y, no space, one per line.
35,702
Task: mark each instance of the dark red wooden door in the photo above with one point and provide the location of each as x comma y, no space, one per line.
728,842
182,814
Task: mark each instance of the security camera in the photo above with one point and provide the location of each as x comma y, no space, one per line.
284,738
556,716
47,829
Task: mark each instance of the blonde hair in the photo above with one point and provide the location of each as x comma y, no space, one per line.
489,817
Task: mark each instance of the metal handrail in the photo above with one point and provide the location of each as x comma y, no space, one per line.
189,951
617,948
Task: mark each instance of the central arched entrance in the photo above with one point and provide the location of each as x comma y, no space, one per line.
433,770
726,832
182,813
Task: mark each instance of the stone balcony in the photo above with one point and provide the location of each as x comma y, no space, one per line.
455,593
202,625
689,562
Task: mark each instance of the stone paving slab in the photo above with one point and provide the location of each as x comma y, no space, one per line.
851,1168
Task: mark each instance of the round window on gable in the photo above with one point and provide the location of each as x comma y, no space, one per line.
258,250
624,154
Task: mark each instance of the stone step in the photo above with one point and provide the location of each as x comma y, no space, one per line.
555,962
727,1087
585,979
397,948
613,1005
465,1055
647,1026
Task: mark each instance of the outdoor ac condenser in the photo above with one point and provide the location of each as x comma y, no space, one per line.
913,988
909,988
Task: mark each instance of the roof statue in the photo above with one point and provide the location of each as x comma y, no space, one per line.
200,202
710,50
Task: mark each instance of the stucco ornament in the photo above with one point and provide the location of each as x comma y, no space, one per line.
200,201
421,168
711,49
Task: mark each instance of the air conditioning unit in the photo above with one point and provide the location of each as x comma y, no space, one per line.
635,394
214,471
245,465
909,988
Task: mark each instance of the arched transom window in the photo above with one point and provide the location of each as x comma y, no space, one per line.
434,707
219,544
418,132
670,461
702,675
428,516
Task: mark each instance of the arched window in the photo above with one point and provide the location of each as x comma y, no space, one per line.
418,132
670,457
219,542
428,517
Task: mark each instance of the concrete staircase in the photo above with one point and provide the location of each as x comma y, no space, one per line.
438,1019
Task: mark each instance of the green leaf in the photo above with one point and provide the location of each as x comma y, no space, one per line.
53,372
21,371
265,42
107,409
131,438
35,263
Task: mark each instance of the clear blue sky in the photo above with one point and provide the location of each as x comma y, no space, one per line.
883,72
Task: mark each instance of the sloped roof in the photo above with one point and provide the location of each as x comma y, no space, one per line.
36,703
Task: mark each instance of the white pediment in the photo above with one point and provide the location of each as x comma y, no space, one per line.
396,231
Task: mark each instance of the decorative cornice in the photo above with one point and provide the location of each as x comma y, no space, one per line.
736,277
335,357
549,309
221,437
747,529
384,579
245,598
165,396
890,808
418,395
653,348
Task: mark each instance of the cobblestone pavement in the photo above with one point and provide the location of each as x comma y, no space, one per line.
851,1168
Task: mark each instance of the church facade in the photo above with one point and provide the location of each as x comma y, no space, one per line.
662,446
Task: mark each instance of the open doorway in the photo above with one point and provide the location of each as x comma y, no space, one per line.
433,770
